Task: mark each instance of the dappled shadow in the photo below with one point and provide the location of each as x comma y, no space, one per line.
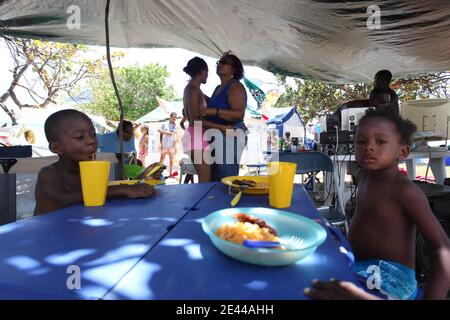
105,242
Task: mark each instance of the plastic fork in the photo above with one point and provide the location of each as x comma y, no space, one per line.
293,243
237,197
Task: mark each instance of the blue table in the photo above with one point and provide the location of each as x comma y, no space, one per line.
105,242
186,265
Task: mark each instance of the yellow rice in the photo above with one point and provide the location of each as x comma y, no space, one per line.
237,232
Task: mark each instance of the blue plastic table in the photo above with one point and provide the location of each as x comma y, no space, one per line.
105,242
186,265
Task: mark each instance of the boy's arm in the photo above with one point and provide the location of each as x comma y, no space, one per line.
418,210
140,190
52,189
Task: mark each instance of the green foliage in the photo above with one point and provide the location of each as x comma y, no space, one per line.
138,89
315,98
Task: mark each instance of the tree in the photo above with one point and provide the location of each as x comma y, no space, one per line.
315,98
44,70
138,88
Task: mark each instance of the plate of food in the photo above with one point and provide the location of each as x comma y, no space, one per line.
263,236
248,184
151,182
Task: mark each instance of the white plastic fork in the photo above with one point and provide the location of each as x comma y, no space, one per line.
293,243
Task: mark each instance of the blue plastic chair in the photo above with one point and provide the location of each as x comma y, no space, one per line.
312,162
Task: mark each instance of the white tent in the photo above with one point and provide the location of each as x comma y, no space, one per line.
159,114
291,122
341,41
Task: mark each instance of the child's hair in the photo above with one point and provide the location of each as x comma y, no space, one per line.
57,119
195,66
404,127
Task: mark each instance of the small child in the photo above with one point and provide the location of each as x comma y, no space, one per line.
143,144
72,137
389,208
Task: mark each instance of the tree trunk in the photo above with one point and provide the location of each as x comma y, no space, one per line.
9,113
10,92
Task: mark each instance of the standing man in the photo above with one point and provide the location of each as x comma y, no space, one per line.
168,141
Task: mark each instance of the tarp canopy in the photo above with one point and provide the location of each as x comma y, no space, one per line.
338,41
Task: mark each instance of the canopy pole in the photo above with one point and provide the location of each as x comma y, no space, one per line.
119,100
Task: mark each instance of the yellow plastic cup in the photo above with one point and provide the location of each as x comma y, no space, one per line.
94,182
281,183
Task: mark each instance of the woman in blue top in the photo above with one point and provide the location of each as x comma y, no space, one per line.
227,107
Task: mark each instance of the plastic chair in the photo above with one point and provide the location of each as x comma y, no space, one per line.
311,162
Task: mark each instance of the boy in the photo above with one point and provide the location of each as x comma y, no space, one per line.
389,207
382,80
381,99
72,137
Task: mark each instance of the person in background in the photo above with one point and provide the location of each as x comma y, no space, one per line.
110,142
168,141
381,88
382,80
226,107
143,144
380,98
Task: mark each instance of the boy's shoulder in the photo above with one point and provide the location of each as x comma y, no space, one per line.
409,192
50,172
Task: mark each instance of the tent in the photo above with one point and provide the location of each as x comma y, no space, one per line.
289,122
162,114
338,41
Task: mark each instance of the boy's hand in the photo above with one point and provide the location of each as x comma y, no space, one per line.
140,190
337,290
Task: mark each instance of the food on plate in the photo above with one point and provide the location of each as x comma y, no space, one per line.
242,217
247,228
244,182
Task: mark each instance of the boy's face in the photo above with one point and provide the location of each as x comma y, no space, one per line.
377,144
382,101
77,140
128,132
